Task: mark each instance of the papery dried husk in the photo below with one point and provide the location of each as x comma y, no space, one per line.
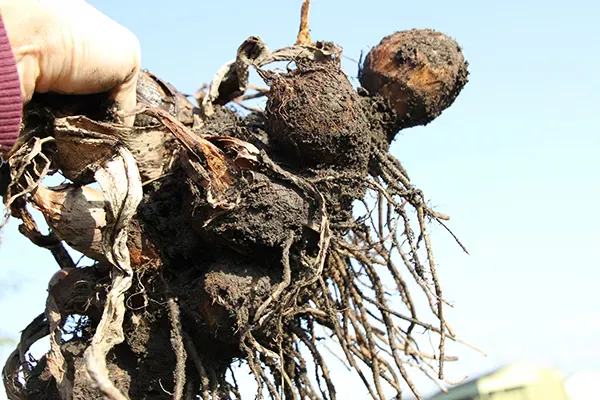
76,215
82,143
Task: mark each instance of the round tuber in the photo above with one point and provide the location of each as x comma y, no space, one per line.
419,72
314,118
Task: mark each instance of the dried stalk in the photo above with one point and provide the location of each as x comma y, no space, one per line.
55,360
120,181
304,31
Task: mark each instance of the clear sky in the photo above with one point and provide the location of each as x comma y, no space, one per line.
514,161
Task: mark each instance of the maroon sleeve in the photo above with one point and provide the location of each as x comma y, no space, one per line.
10,94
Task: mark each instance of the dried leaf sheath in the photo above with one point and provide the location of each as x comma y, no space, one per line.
220,175
76,214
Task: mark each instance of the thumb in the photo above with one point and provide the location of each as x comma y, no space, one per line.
28,67
125,96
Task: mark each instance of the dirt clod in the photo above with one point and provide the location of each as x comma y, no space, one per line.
268,210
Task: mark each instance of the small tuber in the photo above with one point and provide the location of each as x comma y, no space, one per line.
419,72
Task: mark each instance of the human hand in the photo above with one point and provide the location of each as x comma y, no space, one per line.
69,47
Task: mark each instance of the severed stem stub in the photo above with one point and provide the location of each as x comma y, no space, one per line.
304,31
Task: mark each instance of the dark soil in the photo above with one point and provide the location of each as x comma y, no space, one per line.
383,120
267,212
223,300
141,367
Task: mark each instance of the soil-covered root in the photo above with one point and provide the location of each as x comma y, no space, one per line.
141,368
268,209
420,73
224,299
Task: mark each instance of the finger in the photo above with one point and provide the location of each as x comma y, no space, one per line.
125,93
28,68
125,96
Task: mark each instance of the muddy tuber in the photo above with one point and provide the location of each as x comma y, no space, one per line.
420,73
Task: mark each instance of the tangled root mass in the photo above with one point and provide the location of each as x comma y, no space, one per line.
245,247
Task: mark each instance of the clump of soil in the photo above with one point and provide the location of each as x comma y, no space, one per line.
267,211
383,121
140,367
223,300
164,216
42,385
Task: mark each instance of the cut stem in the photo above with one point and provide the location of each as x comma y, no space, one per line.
304,31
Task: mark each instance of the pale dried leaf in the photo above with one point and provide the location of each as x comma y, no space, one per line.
81,143
76,215
120,181
231,80
54,358
244,154
325,52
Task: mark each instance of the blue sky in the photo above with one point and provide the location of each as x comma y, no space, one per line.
514,161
